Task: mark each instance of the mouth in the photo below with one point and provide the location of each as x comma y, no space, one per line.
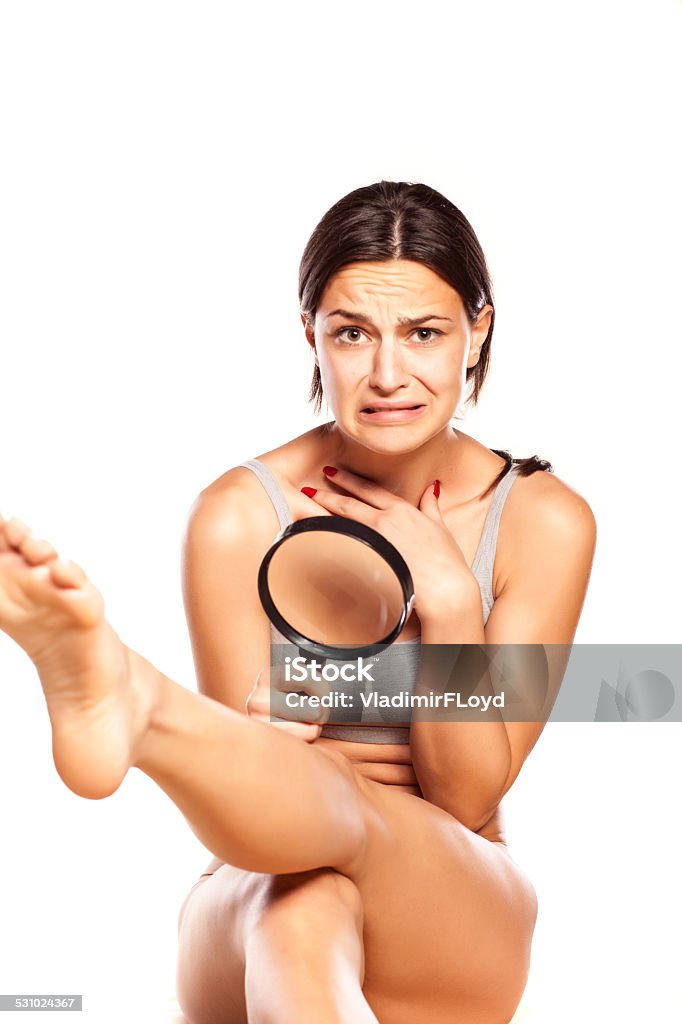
390,407
384,412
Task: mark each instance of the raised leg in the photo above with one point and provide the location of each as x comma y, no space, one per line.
448,915
257,798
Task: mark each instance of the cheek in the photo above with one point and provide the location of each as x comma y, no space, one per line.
340,376
442,375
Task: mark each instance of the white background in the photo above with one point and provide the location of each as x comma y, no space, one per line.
162,168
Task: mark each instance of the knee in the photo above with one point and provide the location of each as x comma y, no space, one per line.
317,916
306,940
308,898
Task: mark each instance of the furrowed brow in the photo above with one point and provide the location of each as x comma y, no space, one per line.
405,321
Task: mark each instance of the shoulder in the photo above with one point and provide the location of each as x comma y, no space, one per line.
542,500
236,507
545,521
232,510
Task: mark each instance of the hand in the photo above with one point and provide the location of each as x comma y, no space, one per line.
267,703
443,582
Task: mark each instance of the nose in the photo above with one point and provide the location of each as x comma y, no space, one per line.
388,372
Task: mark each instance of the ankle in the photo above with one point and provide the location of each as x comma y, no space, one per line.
150,696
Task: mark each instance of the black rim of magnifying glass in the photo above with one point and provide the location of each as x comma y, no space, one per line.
349,528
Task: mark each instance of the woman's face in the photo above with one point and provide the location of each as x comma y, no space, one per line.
393,343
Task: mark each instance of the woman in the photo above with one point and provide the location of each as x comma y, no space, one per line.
357,876
381,256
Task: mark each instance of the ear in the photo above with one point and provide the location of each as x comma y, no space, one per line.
309,333
479,332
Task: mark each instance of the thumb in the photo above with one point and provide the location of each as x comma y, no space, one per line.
262,679
429,502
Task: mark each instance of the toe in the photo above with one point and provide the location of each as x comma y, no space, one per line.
36,551
67,574
15,531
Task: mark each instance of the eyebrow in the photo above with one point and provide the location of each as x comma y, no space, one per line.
404,320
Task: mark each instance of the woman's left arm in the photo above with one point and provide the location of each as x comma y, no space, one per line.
466,767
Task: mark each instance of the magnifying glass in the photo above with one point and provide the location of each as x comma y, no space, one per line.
335,587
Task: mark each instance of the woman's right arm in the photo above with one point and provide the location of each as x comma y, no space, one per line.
229,529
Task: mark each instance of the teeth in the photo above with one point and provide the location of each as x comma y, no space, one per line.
403,408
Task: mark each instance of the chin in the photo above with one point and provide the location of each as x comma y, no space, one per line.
391,440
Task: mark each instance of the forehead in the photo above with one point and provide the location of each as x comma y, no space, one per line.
402,280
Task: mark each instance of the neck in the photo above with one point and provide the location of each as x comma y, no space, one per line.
405,474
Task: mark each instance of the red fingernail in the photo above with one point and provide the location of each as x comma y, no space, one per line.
310,491
436,489
329,470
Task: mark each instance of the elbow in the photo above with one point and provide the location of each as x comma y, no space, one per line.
476,819
472,807
472,815
468,790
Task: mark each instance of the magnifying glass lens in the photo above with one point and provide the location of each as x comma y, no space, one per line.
332,588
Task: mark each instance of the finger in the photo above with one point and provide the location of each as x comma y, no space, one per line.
261,682
288,698
302,730
368,491
290,688
258,700
308,731
310,493
342,505
257,704
430,502
297,707
299,674
276,709
278,697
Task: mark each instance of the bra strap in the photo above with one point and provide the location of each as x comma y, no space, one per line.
272,487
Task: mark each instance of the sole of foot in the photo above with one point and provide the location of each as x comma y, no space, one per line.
99,693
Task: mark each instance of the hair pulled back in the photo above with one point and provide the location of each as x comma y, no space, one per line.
396,220
399,220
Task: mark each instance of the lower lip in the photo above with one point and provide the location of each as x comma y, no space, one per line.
392,415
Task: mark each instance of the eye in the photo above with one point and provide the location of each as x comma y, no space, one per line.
354,341
427,330
348,341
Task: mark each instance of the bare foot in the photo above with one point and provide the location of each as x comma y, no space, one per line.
99,693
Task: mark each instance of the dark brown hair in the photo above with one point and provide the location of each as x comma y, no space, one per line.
400,220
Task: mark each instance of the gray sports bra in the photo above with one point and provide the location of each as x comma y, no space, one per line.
396,668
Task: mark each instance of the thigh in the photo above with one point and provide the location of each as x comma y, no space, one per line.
448,919
448,916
